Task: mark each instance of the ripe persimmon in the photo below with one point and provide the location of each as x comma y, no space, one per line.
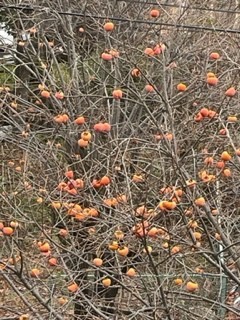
58,119
138,178
64,118
220,164
197,235
69,174
104,181
165,245
119,234
211,75
108,26
61,186
181,87
106,127
204,112
45,94
98,262
113,246
79,120
149,52
141,211
225,156
96,183
131,272
73,287
227,172
8,231
178,281
53,262
106,282
45,247
135,72
86,136
123,251
200,202
117,94
153,232
169,205
232,119
35,273
157,50
62,301
198,117
214,55
212,114
176,249
149,88
154,13
59,95
110,202
106,56
114,53
230,92
191,286
14,224
212,81
99,127
208,161
193,224
82,143
56,205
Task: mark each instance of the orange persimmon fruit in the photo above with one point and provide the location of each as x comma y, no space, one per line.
225,156
98,262
231,92
79,120
154,13
204,112
178,281
8,231
200,202
191,286
35,273
212,81
107,282
181,87
53,262
117,94
123,251
73,287
149,52
108,26
131,272
104,181
214,55
106,56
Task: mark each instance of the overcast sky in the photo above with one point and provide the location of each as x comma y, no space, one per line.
5,37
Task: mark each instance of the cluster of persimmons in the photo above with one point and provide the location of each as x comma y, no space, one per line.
141,226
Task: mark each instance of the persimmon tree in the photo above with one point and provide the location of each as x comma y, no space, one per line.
120,161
